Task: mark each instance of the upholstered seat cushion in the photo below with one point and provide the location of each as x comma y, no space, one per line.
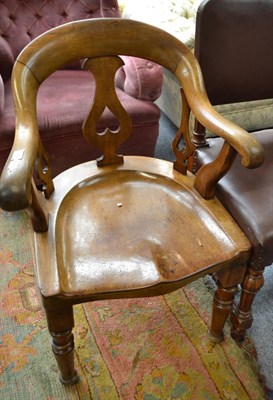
248,192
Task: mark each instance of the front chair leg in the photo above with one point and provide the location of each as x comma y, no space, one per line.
222,305
60,324
63,349
241,317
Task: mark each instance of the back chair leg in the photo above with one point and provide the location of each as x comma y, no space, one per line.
222,306
60,324
241,317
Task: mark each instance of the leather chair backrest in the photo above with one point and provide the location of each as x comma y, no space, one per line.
234,45
22,21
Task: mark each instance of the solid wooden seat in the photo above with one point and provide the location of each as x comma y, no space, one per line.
121,226
116,230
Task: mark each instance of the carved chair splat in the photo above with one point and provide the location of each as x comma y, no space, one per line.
105,96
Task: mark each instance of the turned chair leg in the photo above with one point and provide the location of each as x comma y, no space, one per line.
241,317
60,324
63,349
222,306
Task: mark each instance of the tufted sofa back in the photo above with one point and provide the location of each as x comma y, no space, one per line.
23,20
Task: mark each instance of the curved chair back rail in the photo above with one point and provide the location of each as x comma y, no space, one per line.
107,37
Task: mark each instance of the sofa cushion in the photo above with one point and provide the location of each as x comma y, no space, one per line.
140,78
67,88
63,124
250,115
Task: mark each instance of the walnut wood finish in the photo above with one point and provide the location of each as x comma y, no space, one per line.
184,154
105,96
121,227
241,317
208,175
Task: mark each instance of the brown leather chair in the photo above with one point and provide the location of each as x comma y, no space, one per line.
127,226
139,85
234,46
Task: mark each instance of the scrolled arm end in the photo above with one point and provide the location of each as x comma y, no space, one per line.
15,181
254,156
14,193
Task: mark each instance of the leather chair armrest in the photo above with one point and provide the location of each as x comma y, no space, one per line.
140,78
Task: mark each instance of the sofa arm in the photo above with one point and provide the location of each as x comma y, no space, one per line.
140,78
2,95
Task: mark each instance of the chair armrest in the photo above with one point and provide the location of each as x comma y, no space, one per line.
140,78
246,145
2,95
237,140
243,142
15,181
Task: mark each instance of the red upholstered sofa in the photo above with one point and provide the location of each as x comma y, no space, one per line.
139,84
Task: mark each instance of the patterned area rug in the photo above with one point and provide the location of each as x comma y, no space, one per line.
144,349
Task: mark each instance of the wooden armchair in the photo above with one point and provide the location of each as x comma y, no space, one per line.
120,227
234,43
